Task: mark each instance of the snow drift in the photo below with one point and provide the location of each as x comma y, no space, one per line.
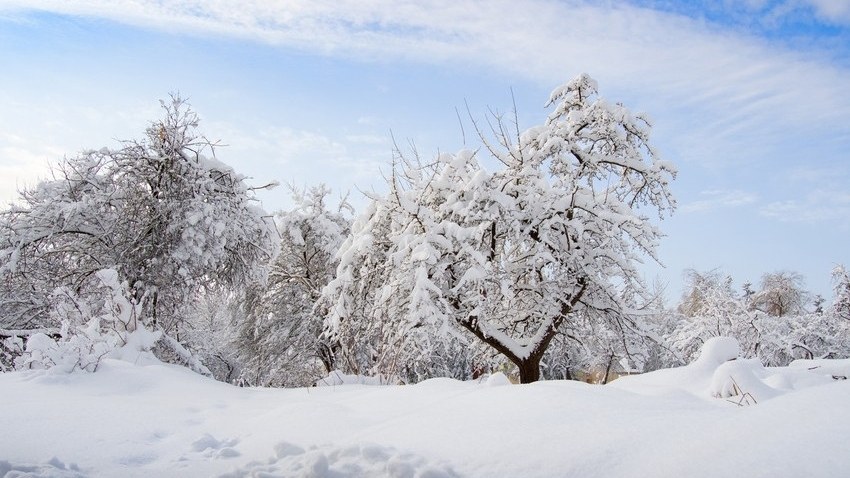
161,420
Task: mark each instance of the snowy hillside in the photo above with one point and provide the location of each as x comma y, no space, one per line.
162,420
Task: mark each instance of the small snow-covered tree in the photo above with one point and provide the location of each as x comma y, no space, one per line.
840,308
782,293
710,308
590,344
505,257
211,329
163,212
280,339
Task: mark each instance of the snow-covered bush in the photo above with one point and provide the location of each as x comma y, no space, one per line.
163,212
92,327
106,322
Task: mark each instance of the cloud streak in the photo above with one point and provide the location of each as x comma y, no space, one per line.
831,206
740,85
719,199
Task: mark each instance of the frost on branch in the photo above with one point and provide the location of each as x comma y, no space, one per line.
456,254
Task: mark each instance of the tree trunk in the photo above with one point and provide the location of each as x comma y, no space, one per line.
608,369
529,369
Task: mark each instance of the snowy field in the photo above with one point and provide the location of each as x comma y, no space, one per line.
156,420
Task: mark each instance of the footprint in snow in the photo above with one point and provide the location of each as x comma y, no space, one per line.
363,460
211,447
54,468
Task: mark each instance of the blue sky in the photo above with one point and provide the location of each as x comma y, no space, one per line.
749,98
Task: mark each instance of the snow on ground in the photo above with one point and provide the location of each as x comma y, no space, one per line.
160,420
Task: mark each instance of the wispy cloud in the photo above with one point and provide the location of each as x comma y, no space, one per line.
741,87
302,156
719,199
837,11
819,206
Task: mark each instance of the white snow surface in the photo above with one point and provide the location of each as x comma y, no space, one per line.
152,419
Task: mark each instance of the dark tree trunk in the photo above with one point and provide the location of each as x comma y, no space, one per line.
528,365
608,369
529,370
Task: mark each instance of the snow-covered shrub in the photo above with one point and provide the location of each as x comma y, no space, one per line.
80,347
106,322
163,212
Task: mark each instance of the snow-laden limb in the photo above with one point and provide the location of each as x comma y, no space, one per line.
507,256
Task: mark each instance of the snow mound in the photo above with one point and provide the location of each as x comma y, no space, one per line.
54,468
213,448
720,373
747,381
717,350
498,379
363,460
337,378
838,369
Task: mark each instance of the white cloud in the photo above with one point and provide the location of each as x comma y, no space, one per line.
717,199
22,164
306,157
835,11
818,206
41,130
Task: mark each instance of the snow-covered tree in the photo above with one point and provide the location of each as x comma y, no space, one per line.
280,339
505,257
709,308
162,212
782,293
841,289
211,329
